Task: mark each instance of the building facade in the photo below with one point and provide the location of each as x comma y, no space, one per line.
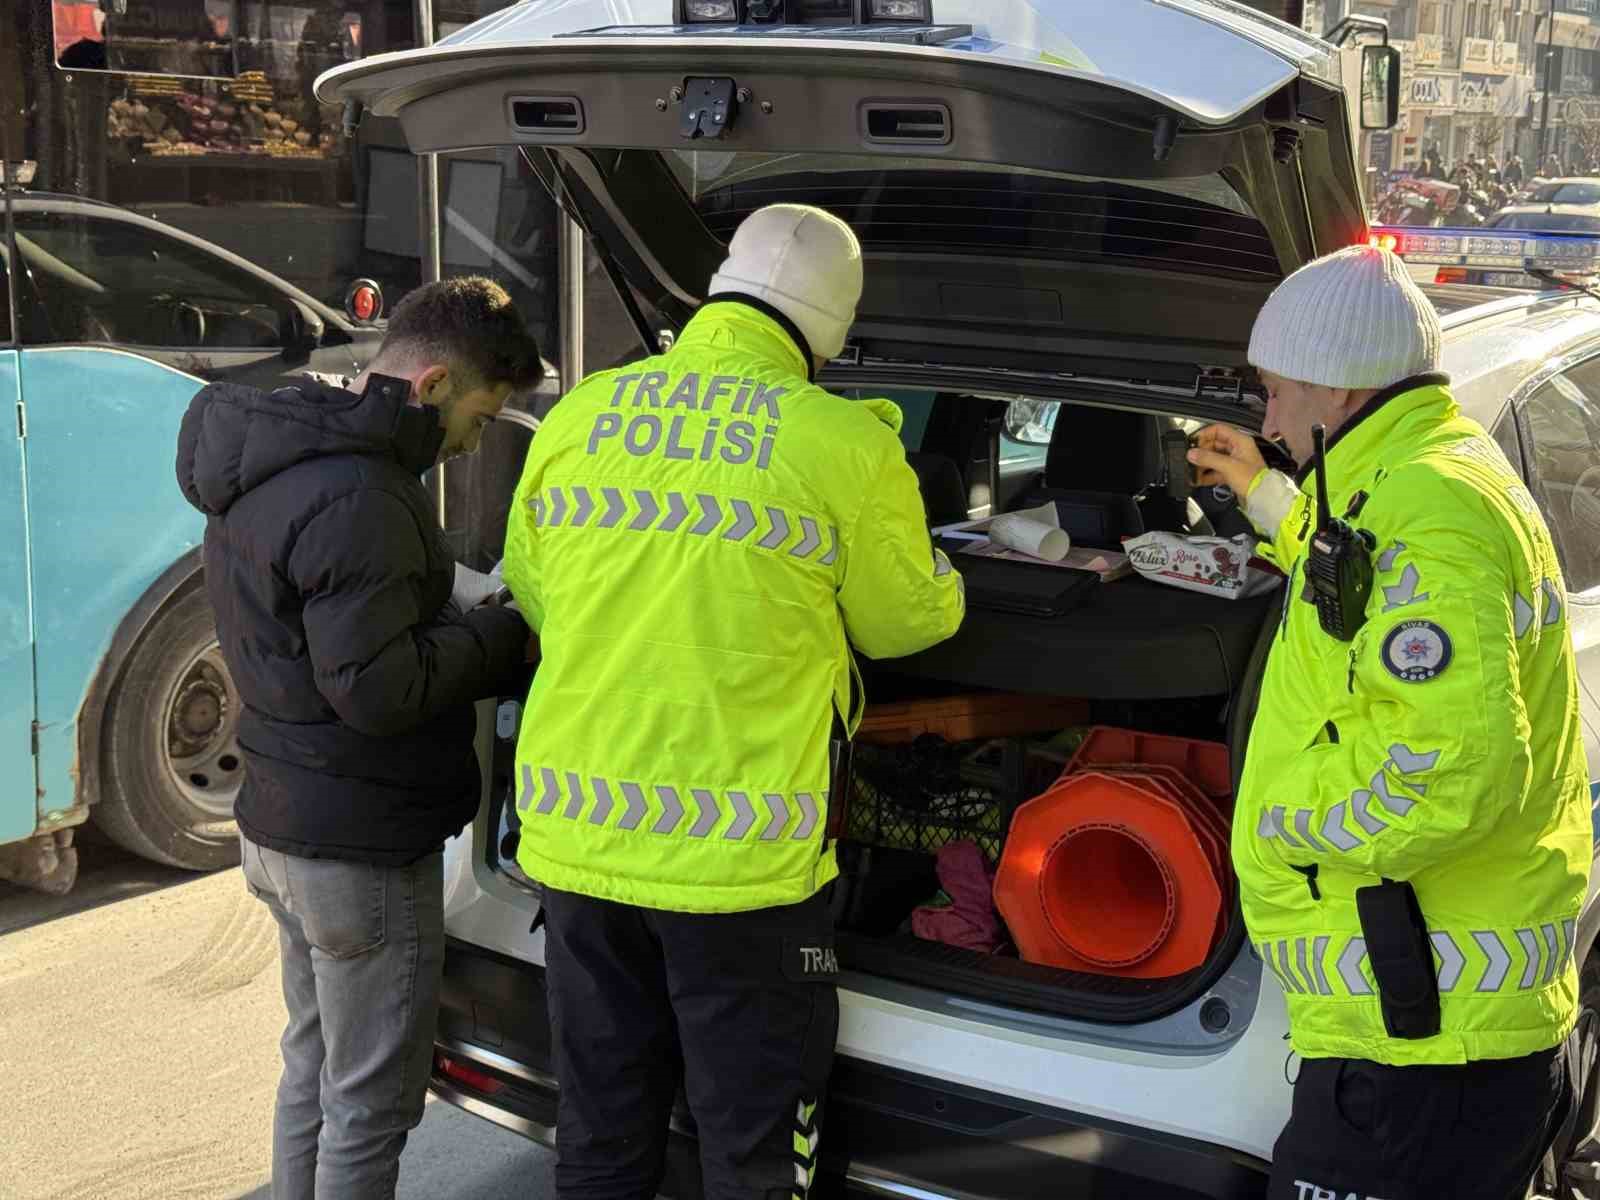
1474,80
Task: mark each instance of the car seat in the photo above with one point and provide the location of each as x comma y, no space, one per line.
1097,455
944,494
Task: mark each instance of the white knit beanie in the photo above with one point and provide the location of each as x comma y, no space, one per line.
804,262
1352,319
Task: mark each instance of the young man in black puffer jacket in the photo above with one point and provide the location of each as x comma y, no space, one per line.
332,586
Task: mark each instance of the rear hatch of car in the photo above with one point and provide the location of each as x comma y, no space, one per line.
1064,201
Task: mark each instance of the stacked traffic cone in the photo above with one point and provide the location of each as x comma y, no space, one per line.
1122,867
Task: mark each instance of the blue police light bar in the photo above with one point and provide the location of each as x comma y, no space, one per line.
1526,250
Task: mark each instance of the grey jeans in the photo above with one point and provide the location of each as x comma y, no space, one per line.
362,949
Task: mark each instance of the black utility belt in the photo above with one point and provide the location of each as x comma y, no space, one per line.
1401,954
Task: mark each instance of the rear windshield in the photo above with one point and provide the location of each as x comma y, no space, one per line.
1553,222
1195,225
1585,192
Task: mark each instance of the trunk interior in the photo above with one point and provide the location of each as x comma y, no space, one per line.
1133,654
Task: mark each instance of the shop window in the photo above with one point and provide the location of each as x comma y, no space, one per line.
233,148
115,281
1563,424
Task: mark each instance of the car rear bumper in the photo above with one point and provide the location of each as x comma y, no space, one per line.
887,1133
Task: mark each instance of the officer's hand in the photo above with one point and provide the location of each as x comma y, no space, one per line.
1228,456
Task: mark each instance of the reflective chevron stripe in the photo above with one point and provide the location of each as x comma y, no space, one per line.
810,542
574,797
649,510
692,812
765,526
634,795
583,509
1305,969
1319,953
1298,827
1302,828
806,1140
1552,601
827,559
1544,951
1524,613
1308,955
779,533
1360,806
1334,832
671,810
1286,972
1530,951
744,522
779,809
1553,959
1349,967
1494,975
1451,960
745,818
710,515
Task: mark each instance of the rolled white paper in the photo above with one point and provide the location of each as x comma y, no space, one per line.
1016,532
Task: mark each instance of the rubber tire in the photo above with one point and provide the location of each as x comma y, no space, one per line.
139,808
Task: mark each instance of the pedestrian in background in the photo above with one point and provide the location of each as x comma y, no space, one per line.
1415,785
332,583
699,539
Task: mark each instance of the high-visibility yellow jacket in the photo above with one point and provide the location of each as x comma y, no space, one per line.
698,539
1443,746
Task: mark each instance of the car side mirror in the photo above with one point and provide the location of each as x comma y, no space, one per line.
1031,422
1380,87
363,302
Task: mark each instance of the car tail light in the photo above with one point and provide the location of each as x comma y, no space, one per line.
698,11
920,11
469,1077
1451,275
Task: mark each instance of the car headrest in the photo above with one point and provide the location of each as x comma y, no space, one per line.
944,495
1103,450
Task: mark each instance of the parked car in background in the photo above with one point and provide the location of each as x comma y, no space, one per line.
114,700
1572,189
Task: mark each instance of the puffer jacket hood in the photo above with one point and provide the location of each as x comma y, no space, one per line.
234,438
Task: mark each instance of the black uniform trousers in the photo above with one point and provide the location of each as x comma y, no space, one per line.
1472,1132
741,1007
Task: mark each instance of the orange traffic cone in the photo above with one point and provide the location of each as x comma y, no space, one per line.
1110,873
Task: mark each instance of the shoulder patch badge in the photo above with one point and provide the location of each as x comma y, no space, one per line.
1417,651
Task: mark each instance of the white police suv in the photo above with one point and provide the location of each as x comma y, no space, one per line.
1071,212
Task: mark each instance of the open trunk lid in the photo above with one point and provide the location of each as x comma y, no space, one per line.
1052,185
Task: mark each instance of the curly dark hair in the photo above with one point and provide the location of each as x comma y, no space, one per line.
468,323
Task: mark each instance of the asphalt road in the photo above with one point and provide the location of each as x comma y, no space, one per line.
139,1019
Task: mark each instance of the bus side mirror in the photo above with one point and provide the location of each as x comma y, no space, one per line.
1380,87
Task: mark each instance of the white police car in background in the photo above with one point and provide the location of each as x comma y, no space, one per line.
1061,202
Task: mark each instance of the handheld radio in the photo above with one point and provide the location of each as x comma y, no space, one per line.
1339,566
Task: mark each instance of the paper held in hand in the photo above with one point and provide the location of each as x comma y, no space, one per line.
1031,535
472,588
